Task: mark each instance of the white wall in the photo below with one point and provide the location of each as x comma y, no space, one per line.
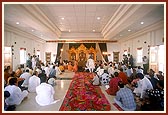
51,47
21,41
152,38
24,40
112,47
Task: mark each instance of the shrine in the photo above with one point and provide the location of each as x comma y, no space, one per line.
81,54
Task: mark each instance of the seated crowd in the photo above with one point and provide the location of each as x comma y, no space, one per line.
147,88
130,85
17,84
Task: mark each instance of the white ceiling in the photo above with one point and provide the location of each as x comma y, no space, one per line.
81,19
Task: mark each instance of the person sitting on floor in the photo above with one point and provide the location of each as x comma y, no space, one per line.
19,80
16,94
125,98
111,70
152,78
18,71
52,81
104,78
8,107
45,94
139,70
26,75
100,70
34,81
47,70
70,67
143,84
113,84
155,99
58,71
95,80
123,76
52,72
61,67
42,75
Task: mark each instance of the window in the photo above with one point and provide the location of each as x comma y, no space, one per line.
139,55
161,57
7,56
157,58
153,54
22,55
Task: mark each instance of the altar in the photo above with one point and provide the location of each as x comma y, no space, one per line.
81,54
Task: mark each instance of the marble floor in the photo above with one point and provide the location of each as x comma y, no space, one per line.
61,88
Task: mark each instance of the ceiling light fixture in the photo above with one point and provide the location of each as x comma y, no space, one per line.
142,22
98,18
17,23
62,18
129,30
32,30
69,30
93,30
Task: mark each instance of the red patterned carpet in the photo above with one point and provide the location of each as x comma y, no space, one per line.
83,96
118,107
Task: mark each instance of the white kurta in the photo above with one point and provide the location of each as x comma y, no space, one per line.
16,95
26,76
34,81
45,94
143,85
110,71
100,72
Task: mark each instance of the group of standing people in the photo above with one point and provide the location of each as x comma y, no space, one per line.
32,61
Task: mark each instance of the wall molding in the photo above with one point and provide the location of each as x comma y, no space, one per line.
82,41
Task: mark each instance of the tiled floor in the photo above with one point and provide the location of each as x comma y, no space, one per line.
60,91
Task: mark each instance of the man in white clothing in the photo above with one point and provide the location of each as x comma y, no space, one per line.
45,94
110,70
143,84
16,94
90,64
139,70
26,75
100,70
34,81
